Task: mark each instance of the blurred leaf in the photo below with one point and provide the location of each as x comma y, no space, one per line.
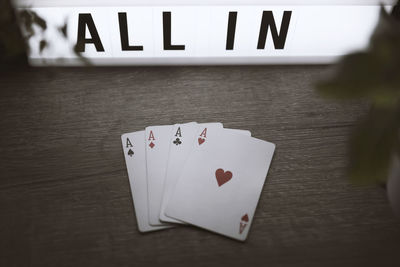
43,44
12,43
38,20
26,20
63,30
372,145
396,11
373,74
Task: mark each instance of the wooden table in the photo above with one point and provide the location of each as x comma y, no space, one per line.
64,191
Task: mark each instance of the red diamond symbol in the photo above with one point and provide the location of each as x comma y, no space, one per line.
151,145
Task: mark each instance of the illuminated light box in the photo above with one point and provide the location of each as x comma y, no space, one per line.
194,32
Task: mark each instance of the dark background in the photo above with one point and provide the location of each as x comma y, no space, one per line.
64,190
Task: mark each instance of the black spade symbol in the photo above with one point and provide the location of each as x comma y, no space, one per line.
130,152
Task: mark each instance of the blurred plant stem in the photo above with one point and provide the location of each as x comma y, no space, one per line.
374,75
12,43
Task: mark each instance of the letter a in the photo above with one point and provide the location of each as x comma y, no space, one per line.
204,133
128,143
151,136
178,132
83,21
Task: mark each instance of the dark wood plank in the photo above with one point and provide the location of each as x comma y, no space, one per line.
64,193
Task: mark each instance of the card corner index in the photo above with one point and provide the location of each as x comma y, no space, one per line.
124,138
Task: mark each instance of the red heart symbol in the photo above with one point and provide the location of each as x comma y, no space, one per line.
222,177
201,140
245,218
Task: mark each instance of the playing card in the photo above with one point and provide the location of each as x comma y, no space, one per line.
182,143
179,151
221,183
135,157
157,149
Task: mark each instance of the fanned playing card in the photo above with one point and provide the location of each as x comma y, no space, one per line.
221,183
133,145
183,140
157,149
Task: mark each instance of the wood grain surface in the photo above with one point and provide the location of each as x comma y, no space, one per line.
64,190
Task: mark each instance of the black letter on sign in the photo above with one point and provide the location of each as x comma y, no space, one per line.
86,20
167,33
268,20
123,31
230,36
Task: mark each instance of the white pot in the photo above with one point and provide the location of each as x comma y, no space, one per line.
393,186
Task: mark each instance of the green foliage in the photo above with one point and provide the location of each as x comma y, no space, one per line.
28,20
12,45
372,145
373,75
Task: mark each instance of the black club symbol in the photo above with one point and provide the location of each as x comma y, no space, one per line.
177,141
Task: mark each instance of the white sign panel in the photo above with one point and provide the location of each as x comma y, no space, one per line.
237,34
